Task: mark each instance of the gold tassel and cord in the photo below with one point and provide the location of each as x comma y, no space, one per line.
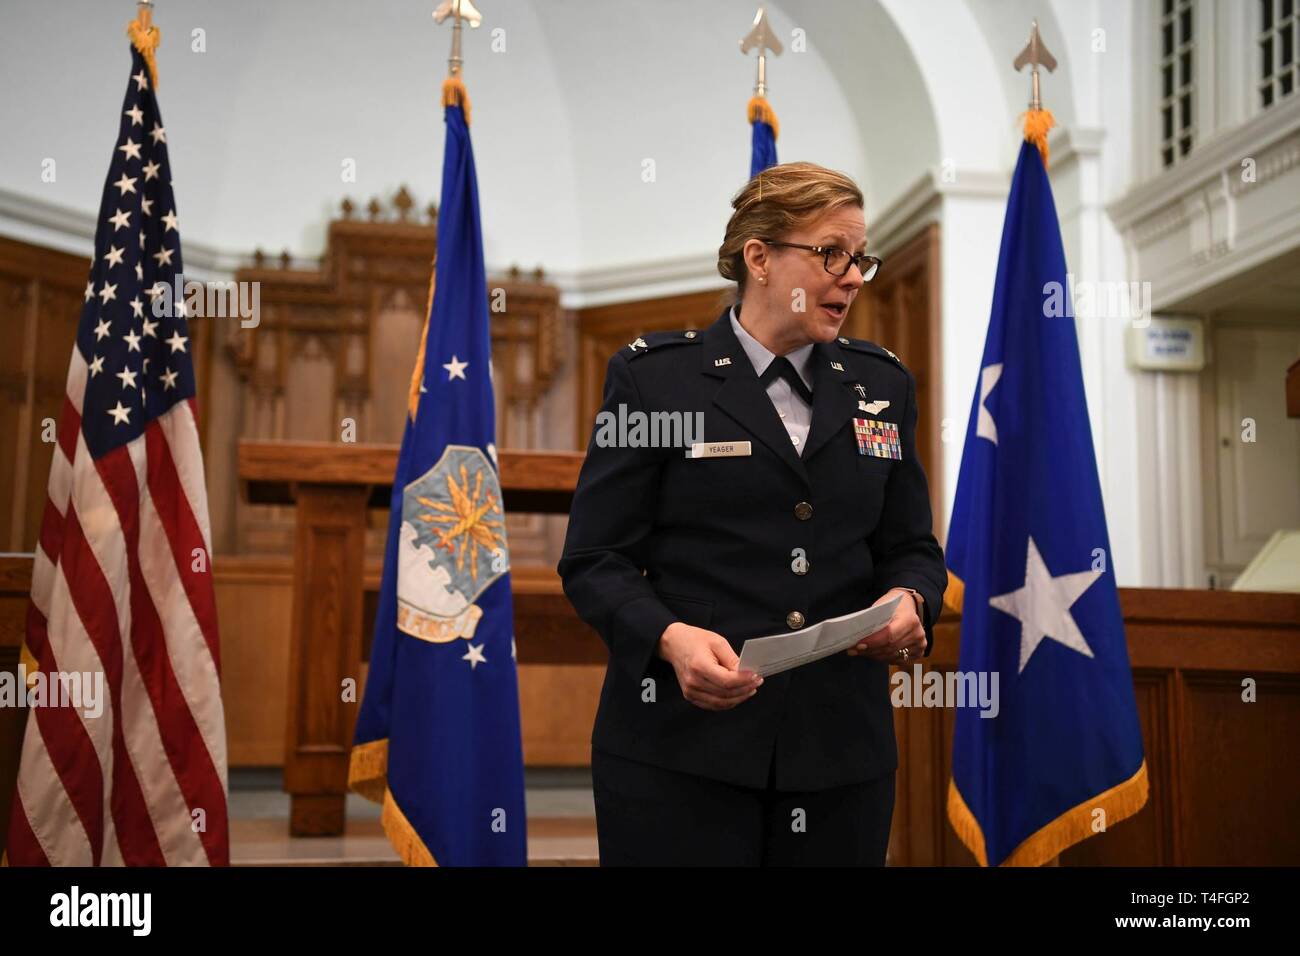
455,94
759,109
1037,123
145,37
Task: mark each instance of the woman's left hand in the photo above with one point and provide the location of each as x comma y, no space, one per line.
903,632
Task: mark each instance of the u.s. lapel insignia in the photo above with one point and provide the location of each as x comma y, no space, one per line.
637,343
837,366
878,439
721,362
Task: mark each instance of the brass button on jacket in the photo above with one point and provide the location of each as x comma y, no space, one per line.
803,511
795,620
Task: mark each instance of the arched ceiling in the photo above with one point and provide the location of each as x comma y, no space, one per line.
572,98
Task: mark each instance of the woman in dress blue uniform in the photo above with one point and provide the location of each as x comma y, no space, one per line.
802,500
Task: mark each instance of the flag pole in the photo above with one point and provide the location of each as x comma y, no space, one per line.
760,37
1037,120
453,88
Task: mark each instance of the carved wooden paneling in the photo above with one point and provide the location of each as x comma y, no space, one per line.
1244,771
41,295
338,342
901,310
603,330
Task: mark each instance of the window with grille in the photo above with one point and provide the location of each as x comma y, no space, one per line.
1177,80
1278,36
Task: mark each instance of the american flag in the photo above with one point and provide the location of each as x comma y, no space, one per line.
122,580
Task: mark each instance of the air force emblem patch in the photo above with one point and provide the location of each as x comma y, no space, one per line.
452,546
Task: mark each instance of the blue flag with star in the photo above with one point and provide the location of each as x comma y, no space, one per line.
1029,554
438,738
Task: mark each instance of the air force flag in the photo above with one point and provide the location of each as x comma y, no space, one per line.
1030,561
437,739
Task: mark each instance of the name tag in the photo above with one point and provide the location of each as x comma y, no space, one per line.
718,449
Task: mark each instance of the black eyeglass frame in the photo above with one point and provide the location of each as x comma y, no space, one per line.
855,258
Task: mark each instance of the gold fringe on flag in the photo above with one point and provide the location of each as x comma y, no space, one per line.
1073,826
402,835
368,776
417,373
760,109
145,37
954,593
368,770
1037,123
455,94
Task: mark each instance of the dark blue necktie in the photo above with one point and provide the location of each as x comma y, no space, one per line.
780,366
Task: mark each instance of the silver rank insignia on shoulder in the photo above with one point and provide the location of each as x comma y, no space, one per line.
722,361
891,355
691,333
861,390
873,408
837,366
637,343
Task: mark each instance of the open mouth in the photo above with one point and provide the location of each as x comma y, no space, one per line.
837,309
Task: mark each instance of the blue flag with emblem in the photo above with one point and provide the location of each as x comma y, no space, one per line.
437,738
1031,568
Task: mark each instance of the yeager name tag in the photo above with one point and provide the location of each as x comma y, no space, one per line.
719,449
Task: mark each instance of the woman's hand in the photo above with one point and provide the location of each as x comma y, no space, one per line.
904,631
706,667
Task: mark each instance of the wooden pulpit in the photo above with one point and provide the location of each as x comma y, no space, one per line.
333,485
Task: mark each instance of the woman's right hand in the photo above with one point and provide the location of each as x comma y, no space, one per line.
706,667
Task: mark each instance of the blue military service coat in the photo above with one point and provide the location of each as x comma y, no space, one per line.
749,544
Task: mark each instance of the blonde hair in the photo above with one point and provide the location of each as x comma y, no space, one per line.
777,201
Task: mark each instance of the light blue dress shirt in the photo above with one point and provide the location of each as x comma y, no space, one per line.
796,414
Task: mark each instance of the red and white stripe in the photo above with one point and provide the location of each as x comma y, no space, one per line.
122,584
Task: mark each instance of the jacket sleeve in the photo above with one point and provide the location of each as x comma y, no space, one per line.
903,545
610,523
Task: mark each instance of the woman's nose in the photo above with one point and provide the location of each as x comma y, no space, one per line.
852,279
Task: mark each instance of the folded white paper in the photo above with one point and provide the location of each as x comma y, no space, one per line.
781,652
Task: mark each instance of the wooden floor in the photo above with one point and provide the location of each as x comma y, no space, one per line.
561,824
552,841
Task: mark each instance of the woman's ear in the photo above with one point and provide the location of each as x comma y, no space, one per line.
756,258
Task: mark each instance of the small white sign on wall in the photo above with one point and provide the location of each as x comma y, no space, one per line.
1167,343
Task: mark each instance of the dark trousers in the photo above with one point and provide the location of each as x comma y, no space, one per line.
650,816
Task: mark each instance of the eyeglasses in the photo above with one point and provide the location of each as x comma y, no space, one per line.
836,260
